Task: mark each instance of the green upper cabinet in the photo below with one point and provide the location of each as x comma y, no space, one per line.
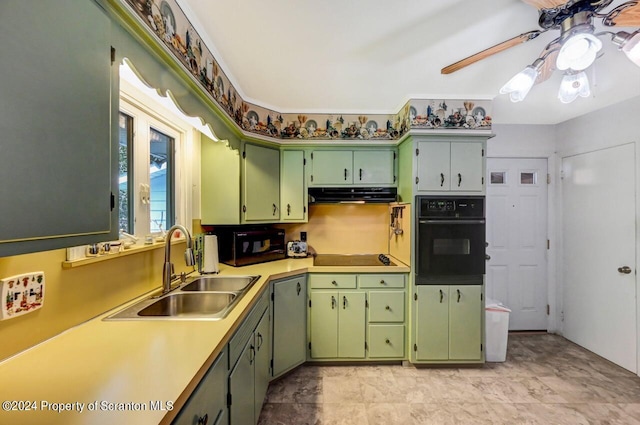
331,168
449,166
239,187
59,152
293,191
374,167
261,183
349,167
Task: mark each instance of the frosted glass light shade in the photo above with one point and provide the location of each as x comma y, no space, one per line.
578,52
572,86
519,85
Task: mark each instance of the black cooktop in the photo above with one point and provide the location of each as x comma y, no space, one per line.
352,260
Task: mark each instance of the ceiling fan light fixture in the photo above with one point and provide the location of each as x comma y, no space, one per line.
578,52
629,44
572,86
519,85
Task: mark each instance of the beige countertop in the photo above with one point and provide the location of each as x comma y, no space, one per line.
95,370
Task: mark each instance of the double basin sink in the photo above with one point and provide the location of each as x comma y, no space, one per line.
202,297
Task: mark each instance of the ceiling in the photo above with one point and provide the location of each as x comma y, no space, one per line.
371,56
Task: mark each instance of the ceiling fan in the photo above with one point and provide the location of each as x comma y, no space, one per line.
573,51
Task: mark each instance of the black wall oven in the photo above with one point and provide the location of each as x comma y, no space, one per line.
451,241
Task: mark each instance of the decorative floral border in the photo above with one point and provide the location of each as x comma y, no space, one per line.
167,20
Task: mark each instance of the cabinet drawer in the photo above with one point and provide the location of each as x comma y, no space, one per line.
386,341
381,280
332,281
386,306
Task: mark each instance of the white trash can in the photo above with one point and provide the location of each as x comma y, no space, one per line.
496,330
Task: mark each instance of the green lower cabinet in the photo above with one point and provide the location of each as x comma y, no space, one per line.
208,402
337,324
448,323
386,341
249,378
289,307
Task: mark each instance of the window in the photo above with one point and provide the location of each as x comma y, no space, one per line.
150,188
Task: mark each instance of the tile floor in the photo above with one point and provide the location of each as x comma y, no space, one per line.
545,380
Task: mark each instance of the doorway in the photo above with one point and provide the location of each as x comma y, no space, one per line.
516,211
599,252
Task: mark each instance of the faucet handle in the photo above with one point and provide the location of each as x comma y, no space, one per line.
188,257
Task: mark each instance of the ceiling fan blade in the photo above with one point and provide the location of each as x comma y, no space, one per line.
625,15
545,4
522,38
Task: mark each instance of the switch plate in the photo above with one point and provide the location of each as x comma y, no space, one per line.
21,294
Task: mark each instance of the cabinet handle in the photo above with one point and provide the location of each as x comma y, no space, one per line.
344,302
387,308
459,179
441,296
387,341
260,341
202,420
274,209
298,288
288,209
441,179
624,270
459,294
334,283
382,282
333,302
361,174
252,354
345,174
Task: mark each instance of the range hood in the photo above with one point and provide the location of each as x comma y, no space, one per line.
360,195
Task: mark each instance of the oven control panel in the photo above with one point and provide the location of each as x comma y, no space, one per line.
451,207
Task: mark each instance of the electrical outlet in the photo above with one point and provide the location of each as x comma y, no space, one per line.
21,294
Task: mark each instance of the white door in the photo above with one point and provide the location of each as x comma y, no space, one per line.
516,213
599,234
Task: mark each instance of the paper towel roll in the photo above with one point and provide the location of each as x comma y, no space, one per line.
211,264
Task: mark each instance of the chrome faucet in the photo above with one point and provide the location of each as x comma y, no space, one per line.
167,270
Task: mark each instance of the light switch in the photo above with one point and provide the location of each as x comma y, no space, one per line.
21,294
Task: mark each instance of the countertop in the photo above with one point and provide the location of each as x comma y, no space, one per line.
106,372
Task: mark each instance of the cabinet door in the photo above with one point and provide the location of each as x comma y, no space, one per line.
323,315
241,384
351,324
261,183
466,167
386,306
373,167
434,166
289,324
331,168
220,183
59,145
432,322
292,188
209,399
465,322
262,362
386,341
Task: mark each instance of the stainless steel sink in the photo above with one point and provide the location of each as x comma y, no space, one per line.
199,298
221,283
182,304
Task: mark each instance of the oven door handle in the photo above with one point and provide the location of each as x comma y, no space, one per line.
451,221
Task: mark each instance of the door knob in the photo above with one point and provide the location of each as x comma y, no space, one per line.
487,257
624,270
